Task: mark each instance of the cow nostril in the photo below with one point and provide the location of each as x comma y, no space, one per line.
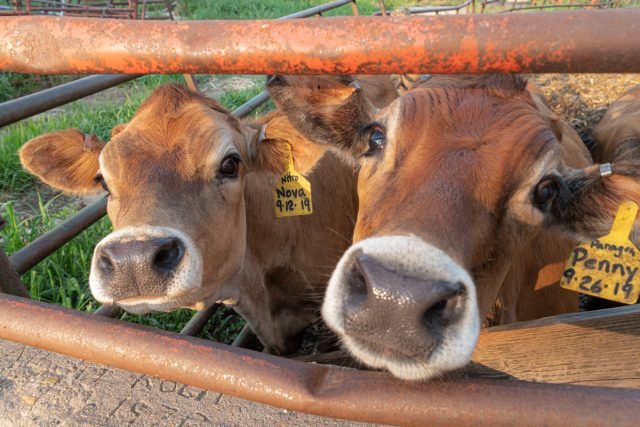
168,256
443,311
356,292
435,318
104,264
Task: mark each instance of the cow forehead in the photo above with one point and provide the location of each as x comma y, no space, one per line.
437,141
188,144
442,126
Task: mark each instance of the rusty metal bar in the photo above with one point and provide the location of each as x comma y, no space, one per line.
577,41
317,9
316,389
27,106
10,282
45,245
196,324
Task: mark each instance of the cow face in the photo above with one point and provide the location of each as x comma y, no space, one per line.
175,178
454,182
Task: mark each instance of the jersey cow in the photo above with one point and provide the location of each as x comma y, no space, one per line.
468,192
191,202
617,136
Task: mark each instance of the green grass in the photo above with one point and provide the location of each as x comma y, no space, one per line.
62,277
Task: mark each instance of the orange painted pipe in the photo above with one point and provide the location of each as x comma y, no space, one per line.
578,41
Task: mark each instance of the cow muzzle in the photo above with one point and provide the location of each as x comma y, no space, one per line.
146,269
401,304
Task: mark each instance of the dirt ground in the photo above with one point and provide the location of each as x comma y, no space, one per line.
39,388
582,99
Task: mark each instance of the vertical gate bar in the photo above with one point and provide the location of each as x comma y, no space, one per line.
10,282
191,83
355,10
197,323
383,9
245,336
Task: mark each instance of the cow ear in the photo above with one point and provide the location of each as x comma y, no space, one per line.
66,160
593,200
326,111
274,141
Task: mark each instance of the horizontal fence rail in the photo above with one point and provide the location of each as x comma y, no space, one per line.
322,390
577,41
30,105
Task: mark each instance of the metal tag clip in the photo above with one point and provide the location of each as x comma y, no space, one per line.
606,170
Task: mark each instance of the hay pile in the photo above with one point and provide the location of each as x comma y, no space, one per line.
582,99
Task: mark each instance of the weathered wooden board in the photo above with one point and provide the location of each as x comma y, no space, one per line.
591,348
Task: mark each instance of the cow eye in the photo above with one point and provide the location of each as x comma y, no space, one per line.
229,166
545,192
377,139
103,183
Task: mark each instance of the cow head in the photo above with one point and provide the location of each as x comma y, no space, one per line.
175,177
455,180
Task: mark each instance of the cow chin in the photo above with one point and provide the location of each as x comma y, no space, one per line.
147,268
401,304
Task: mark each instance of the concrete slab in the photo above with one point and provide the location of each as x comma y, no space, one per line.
40,388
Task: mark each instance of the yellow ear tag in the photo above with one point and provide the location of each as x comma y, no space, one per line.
608,267
292,195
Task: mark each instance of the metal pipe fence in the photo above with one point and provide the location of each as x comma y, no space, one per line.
567,42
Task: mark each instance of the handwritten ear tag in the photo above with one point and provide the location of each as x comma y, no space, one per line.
608,267
292,195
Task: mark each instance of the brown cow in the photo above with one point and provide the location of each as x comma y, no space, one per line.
617,136
465,192
191,202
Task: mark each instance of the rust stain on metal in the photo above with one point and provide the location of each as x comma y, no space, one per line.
317,389
578,41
